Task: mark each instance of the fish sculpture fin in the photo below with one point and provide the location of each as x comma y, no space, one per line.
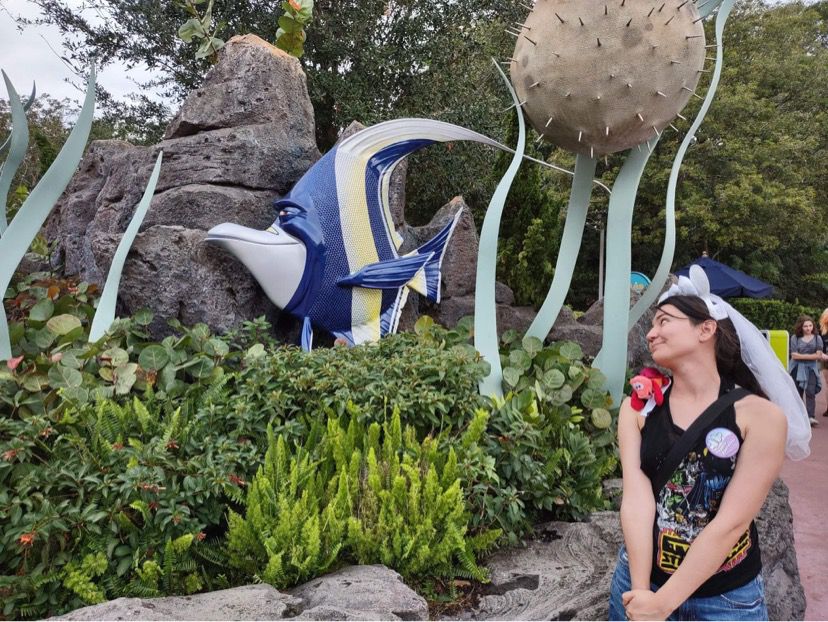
372,155
307,335
427,282
389,274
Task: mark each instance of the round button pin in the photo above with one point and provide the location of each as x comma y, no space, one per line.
722,443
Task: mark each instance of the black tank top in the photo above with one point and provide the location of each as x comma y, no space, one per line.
691,498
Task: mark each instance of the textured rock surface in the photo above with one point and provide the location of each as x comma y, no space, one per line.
238,142
360,593
250,602
565,574
352,593
606,74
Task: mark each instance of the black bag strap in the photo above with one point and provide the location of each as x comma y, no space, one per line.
687,440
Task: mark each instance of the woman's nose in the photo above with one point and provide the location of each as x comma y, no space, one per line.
651,334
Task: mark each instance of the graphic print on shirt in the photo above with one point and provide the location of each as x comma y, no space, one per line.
687,503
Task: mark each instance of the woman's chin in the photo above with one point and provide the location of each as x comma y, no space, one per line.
661,358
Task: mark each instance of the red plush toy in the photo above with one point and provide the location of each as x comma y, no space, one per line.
650,383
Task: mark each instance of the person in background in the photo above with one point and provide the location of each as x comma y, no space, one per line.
823,332
806,352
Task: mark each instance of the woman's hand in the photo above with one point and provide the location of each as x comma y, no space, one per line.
645,605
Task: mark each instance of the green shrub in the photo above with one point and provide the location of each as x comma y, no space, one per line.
369,496
773,314
540,454
431,378
118,458
54,366
114,481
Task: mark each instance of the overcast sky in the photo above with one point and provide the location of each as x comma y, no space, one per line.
34,54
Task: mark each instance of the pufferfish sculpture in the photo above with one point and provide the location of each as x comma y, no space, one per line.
332,258
598,77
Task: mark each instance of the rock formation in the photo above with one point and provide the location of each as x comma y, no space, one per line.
238,142
352,593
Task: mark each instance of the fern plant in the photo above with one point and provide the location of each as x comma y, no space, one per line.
369,496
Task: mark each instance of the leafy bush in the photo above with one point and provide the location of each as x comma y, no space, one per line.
55,366
369,496
120,461
539,455
430,377
773,314
114,482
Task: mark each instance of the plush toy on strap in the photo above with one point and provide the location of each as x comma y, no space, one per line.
648,390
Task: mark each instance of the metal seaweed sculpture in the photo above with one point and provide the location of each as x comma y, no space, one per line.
16,145
485,307
105,313
598,79
33,213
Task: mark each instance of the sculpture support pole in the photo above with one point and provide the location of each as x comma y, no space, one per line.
573,233
105,314
32,214
660,276
612,359
485,307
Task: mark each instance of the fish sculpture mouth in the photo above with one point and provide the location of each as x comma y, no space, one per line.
230,232
274,257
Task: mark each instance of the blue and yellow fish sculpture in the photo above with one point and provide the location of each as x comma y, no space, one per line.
332,256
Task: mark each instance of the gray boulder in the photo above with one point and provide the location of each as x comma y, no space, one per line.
238,142
360,593
459,272
352,593
565,573
250,602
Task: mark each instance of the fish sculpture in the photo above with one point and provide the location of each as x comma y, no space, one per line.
332,257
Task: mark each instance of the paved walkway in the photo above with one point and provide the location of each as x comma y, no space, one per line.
808,484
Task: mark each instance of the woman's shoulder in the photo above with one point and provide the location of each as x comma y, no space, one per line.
755,411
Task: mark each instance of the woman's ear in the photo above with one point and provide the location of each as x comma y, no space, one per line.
708,330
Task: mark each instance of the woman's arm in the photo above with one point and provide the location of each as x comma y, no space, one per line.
797,356
637,503
759,463
816,356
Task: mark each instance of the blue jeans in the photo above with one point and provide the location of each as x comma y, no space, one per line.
742,603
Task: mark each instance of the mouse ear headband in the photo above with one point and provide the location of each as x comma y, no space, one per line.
759,358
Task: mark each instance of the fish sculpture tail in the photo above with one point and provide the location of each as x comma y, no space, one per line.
427,281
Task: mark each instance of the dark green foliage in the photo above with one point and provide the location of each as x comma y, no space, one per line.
118,458
544,450
54,366
431,378
773,314
120,483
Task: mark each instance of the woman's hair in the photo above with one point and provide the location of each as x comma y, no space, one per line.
728,349
801,322
823,322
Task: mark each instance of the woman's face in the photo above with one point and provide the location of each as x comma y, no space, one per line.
808,328
673,335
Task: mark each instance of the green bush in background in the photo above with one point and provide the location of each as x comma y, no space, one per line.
773,314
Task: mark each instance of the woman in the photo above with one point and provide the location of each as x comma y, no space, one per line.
691,548
823,332
806,351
